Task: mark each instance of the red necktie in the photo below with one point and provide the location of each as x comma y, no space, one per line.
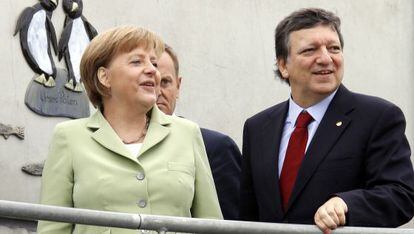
294,155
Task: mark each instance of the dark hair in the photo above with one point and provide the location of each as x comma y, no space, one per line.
302,19
169,50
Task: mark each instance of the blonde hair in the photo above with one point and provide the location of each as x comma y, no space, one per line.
104,47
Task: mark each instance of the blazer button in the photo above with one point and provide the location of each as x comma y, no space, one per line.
142,203
140,176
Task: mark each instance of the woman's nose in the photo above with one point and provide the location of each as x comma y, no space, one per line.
150,68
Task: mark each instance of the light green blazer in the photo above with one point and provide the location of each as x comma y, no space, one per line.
89,167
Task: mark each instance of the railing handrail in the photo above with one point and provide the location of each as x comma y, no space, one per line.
30,211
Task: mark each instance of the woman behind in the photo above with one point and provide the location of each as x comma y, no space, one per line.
128,156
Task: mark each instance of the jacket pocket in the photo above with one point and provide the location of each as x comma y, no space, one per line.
182,167
344,161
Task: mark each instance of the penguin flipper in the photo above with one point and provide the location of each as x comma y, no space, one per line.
64,39
28,55
52,33
24,18
66,21
89,28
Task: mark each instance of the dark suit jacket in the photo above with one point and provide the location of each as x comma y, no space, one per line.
365,160
225,162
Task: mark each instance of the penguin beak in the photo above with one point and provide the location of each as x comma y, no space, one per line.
75,6
54,2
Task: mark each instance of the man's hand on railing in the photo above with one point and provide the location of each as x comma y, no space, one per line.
331,215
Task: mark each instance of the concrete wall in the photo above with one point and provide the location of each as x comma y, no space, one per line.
227,61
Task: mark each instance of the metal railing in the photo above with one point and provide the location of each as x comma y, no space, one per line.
161,224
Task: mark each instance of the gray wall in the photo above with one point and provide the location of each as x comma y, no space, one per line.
227,61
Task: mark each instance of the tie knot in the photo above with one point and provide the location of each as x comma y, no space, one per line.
303,120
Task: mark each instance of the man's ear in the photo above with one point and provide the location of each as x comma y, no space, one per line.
281,65
103,77
178,86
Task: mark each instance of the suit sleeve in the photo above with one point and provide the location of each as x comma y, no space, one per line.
388,195
248,204
225,161
205,202
57,182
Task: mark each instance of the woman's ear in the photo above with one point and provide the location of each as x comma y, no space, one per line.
103,77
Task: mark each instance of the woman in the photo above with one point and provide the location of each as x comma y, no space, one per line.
128,156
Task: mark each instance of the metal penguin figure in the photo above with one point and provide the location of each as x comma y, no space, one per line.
36,34
75,37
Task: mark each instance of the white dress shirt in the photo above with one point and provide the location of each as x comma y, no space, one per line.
134,148
317,112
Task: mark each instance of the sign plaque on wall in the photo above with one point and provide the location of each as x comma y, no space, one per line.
56,101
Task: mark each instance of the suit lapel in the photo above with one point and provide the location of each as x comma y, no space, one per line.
270,142
104,134
333,124
159,128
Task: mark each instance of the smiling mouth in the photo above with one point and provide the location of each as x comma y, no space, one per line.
323,72
148,84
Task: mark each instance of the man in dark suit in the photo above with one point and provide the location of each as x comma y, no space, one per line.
327,155
223,154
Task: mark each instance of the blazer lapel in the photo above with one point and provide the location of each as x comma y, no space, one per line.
104,134
158,129
270,142
332,126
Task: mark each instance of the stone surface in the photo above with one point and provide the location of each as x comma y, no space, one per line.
58,100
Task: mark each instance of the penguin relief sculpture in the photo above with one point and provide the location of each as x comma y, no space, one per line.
7,130
46,94
36,34
76,35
